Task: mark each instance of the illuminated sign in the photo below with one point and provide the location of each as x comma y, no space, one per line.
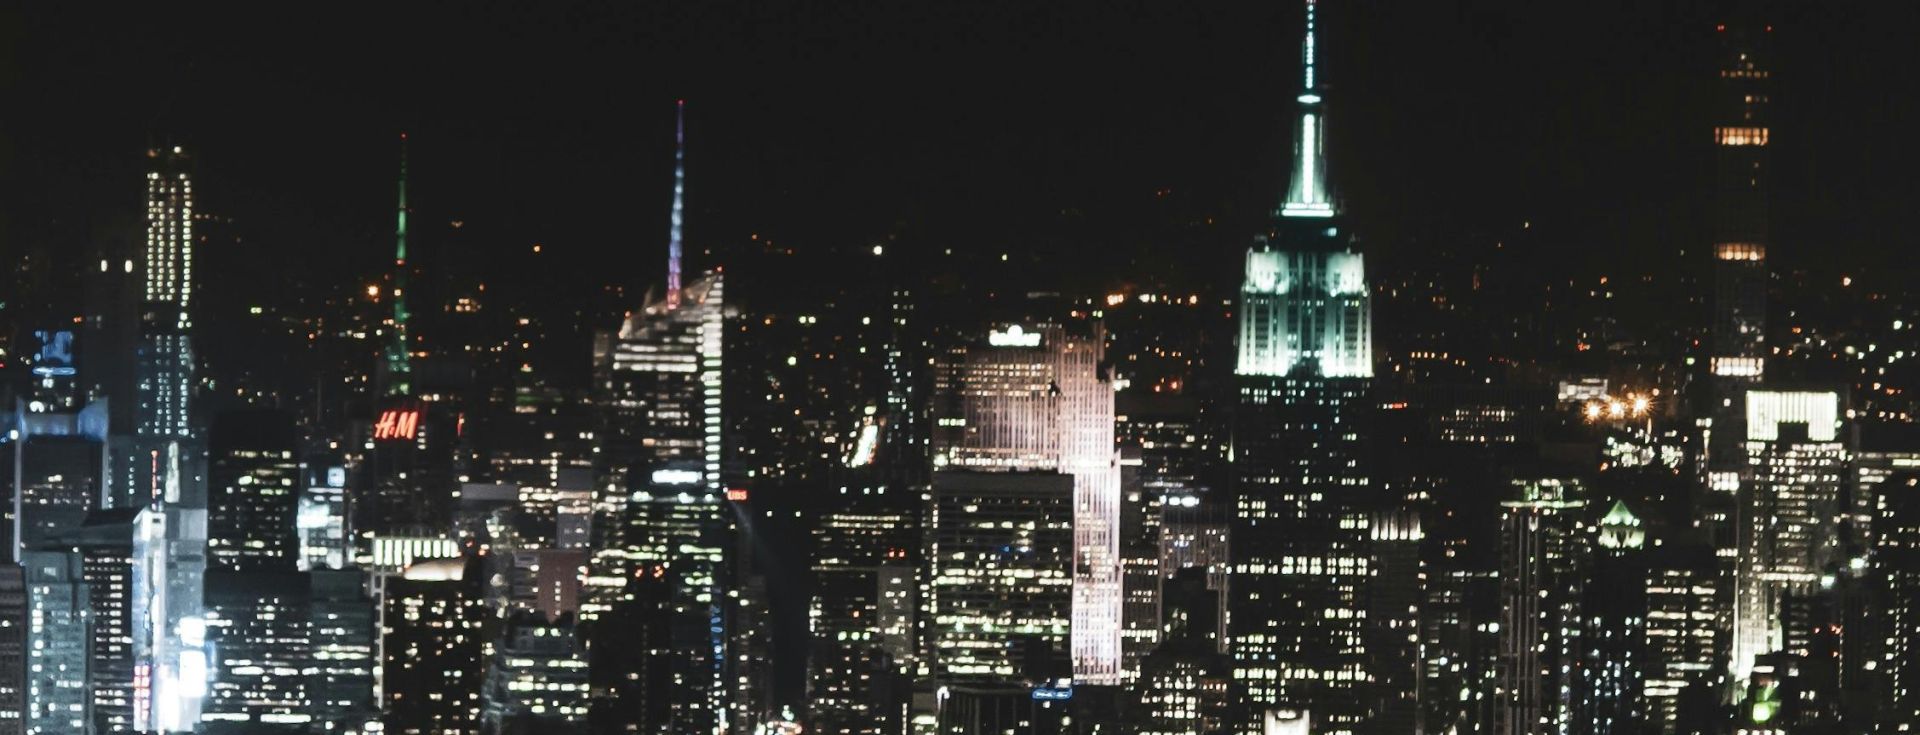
56,354
738,495
675,477
336,477
1014,336
397,423
1052,694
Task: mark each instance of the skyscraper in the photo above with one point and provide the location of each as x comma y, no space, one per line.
1545,552
1896,567
1038,400
1742,98
537,677
162,465
1300,525
254,492
659,497
58,675
862,612
434,652
1000,598
1737,332
1685,592
165,352
1788,509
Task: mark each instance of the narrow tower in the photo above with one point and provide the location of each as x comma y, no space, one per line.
399,365
679,201
1300,555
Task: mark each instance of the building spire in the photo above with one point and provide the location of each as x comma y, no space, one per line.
679,198
399,362
1307,196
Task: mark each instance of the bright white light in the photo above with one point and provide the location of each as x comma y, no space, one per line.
675,477
1014,336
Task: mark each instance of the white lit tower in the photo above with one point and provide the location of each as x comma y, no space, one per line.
1300,558
1036,399
1789,507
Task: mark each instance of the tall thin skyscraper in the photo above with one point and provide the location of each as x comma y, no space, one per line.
1300,526
165,351
1742,97
162,466
1737,332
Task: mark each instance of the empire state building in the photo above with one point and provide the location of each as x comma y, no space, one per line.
1300,527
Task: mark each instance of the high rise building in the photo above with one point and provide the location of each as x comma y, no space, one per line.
1741,123
259,630
1545,554
1685,641
1185,684
163,408
631,666
1300,523
162,464
1038,400
1608,683
434,648
58,676
1193,535
1737,358
862,613
1789,512
169,623
340,662
537,677
1393,620
104,545
14,605
59,461
321,517
258,605
660,501
254,482
1001,570
1896,569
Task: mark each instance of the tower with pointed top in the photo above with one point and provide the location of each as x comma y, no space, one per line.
399,363
660,510
1300,554
679,203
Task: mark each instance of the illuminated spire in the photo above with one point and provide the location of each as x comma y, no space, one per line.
679,197
1307,196
399,366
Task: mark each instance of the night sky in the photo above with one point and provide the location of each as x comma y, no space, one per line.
1053,129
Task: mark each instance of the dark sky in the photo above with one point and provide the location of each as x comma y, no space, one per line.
972,124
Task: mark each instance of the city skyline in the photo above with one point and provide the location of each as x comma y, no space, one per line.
1322,369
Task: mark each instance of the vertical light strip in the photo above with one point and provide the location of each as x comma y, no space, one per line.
679,197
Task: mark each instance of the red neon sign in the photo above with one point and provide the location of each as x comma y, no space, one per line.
738,495
397,423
